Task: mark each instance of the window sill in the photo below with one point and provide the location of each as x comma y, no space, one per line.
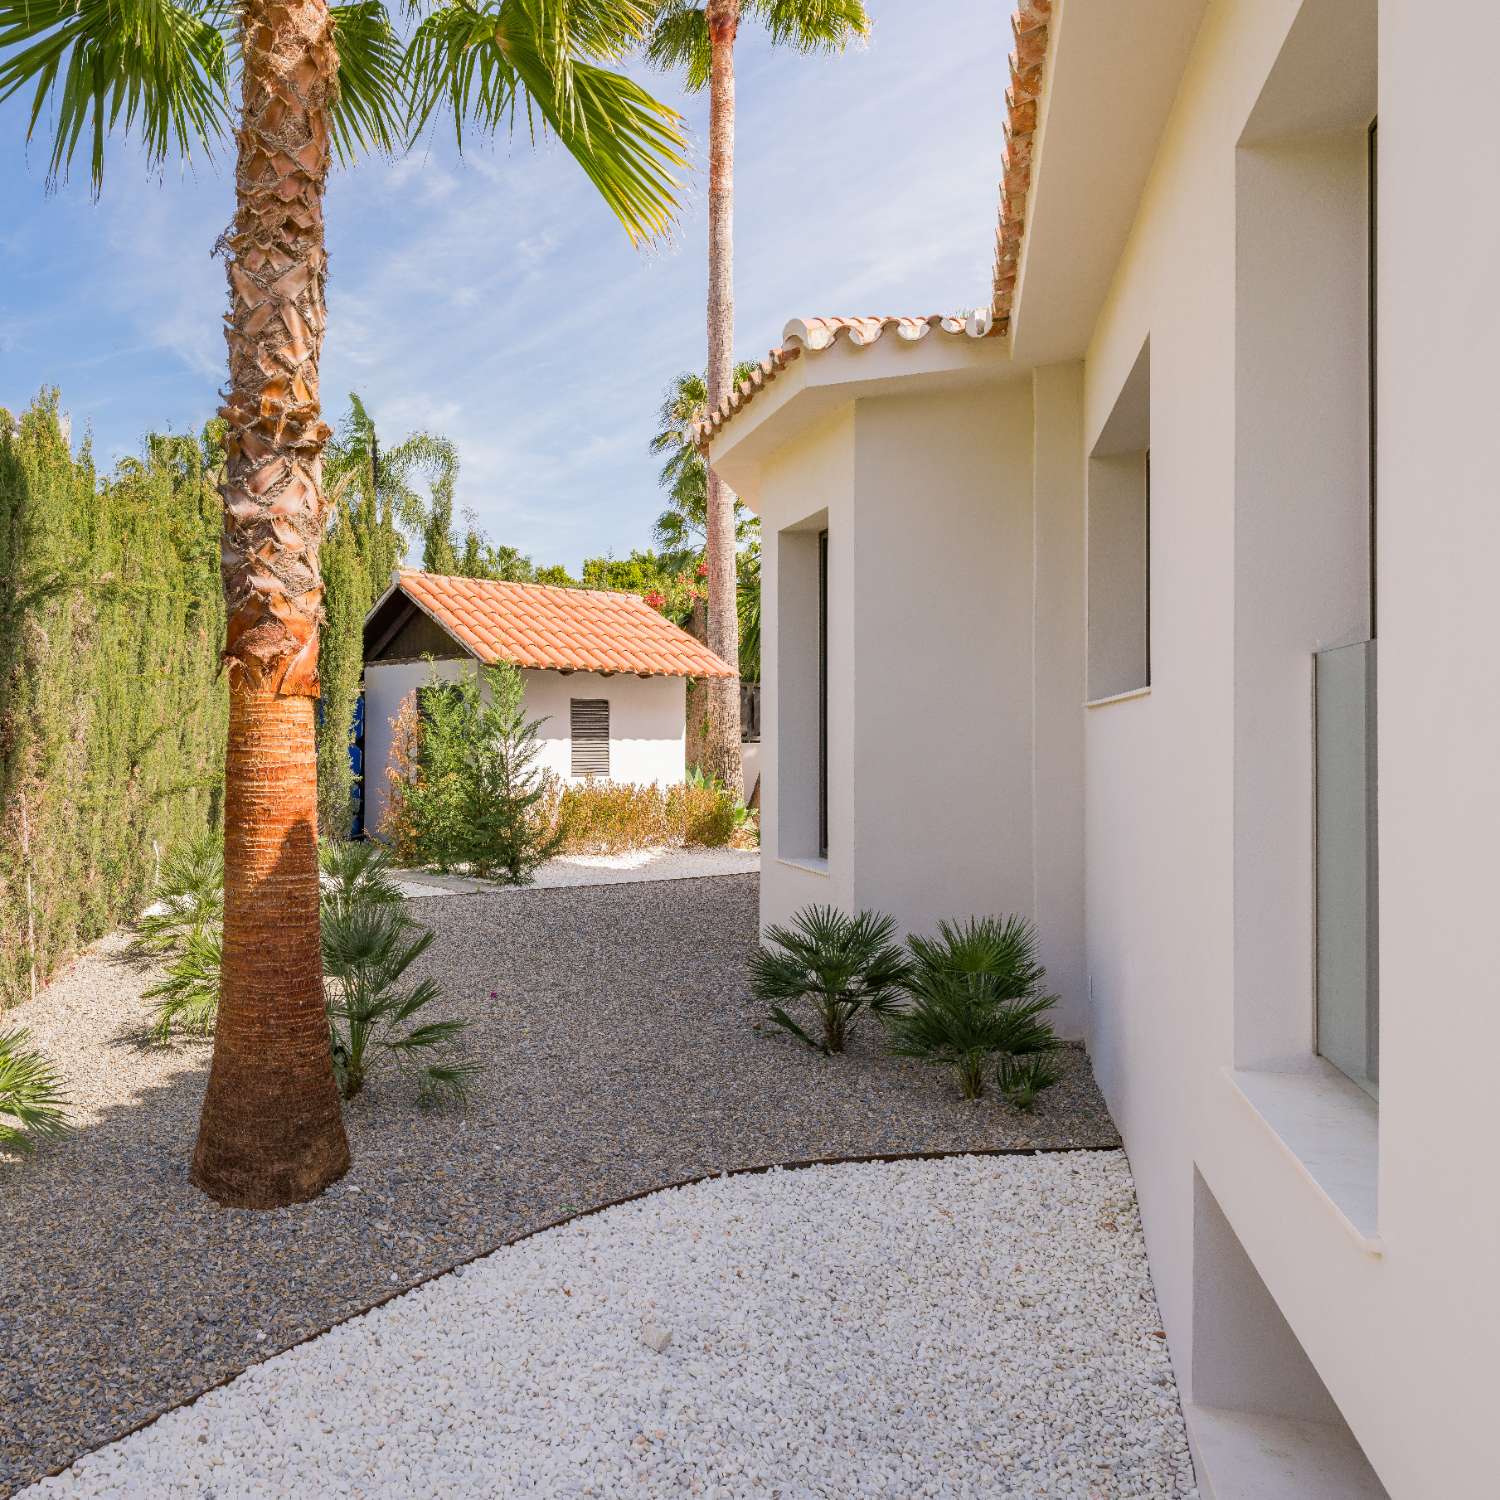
1140,692
812,863
1329,1127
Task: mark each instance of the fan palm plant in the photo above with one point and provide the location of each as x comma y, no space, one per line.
964,1020
698,40
367,950
683,526
188,895
312,80
356,874
837,964
32,1102
977,997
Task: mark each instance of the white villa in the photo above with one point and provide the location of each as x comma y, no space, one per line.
604,672
1124,545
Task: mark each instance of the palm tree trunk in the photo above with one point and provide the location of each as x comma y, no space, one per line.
722,742
271,1132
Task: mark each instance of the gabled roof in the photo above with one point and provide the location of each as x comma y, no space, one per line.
562,629
1029,27
816,334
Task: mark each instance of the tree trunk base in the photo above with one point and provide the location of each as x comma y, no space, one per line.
272,1131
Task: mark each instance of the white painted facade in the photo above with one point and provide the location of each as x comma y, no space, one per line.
1194,285
647,720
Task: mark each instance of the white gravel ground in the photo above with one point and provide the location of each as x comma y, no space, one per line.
596,869
972,1327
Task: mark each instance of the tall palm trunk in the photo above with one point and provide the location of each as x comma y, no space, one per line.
271,1131
722,737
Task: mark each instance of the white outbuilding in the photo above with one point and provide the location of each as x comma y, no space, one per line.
604,672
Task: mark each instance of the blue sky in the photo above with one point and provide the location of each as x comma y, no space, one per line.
493,298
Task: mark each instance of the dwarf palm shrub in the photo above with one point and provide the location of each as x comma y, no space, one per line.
1005,949
187,999
1021,1079
188,895
368,945
356,874
964,1021
977,995
32,1102
372,1014
836,964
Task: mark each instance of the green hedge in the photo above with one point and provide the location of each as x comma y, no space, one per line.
112,711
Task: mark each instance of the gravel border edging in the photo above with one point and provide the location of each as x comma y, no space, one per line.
584,1213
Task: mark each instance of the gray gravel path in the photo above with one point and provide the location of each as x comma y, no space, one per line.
620,1054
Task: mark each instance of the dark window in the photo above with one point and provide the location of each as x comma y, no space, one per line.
823,693
590,726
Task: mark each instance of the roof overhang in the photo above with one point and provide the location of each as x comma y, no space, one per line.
810,389
1109,81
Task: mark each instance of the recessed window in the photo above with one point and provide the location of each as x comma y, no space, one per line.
1119,543
590,729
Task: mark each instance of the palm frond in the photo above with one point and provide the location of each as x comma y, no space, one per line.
188,895
356,874
33,1104
812,25
838,964
370,107
1004,949
187,999
484,62
679,42
149,66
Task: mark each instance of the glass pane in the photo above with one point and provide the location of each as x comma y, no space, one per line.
1348,948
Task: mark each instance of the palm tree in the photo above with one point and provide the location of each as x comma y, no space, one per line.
683,526
699,39
312,79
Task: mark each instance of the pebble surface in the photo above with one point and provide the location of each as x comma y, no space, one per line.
972,1327
620,1053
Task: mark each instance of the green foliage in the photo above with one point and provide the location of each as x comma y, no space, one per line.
187,999
355,874
375,498
32,1102
372,1015
165,71
747,601
977,997
838,964
369,943
682,528
188,896
1021,1079
476,799
483,62
112,711
1005,950
965,1020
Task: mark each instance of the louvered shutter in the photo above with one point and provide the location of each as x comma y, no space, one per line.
590,722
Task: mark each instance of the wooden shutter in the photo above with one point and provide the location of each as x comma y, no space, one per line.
590,725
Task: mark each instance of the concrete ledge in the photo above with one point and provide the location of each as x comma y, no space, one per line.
1330,1129
1242,1455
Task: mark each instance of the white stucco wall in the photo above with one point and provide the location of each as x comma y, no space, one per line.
646,721
954,768
1326,1269
1245,271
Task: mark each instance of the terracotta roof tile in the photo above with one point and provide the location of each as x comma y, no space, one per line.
1029,26
815,334
539,625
